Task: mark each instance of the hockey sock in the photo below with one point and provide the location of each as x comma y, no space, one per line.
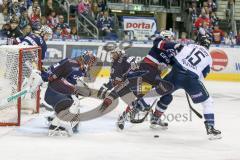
208,111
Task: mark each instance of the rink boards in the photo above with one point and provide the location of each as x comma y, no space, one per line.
226,59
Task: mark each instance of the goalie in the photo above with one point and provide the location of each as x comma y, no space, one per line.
62,86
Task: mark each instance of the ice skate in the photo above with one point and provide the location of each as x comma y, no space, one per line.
157,123
212,132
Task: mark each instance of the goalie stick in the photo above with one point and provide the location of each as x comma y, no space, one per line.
190,106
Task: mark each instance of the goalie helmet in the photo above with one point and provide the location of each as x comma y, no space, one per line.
88,58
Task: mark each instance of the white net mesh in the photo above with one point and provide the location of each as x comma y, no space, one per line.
12,75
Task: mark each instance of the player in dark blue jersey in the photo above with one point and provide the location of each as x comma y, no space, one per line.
119,82
62,85
38,38
159,57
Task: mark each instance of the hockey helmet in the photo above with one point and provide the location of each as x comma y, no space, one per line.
204,41
167,34
45,30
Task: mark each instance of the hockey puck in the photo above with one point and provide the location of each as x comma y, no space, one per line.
156,136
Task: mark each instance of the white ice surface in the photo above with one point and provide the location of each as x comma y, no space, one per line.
98,139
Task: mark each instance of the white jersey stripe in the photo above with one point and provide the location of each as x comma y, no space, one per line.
152,59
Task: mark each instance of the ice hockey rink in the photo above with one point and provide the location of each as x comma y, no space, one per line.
185,139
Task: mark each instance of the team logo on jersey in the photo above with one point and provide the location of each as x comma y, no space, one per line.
220,60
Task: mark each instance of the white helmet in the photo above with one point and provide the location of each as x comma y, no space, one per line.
167,34
46,30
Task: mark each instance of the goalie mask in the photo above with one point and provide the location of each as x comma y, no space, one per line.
87,59
116,53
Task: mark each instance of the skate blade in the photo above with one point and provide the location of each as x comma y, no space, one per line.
158,127
215,137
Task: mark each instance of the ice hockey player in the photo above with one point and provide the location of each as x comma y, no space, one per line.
118,84
152,65
62,85
191,66
38,38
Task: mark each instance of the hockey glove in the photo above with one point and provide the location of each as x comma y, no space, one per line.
106,103
178,47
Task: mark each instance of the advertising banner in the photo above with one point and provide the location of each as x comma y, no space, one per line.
54,54
225,60
142,27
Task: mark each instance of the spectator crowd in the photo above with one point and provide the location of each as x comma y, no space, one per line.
20,17
204,18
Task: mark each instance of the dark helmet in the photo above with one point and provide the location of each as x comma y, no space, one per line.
204,41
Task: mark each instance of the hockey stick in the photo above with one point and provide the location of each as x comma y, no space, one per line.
143,119
190,106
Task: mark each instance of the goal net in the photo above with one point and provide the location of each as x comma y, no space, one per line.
14,73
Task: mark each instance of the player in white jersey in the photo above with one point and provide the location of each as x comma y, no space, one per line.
191,66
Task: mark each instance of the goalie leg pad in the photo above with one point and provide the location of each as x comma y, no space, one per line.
64,121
